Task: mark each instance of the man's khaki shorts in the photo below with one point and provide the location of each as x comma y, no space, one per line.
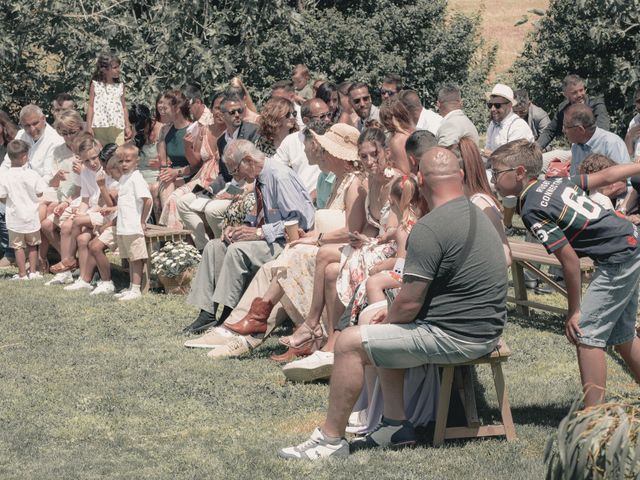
132,247
21,240
59,220
108,237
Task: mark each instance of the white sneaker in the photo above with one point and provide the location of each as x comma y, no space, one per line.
316,447
358,421
121,293
35,276
316,366
60,279
130,295
18,277
104,287
235,347
79,284
213,337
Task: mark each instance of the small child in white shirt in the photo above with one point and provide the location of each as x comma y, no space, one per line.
134,206
21,189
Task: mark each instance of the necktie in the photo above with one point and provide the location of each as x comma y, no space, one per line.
259,205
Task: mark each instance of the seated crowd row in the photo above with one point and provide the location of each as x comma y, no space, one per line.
317,212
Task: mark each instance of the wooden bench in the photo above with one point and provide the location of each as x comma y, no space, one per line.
153,235
527,255
462,373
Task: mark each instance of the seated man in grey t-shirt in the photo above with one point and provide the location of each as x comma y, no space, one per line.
451,308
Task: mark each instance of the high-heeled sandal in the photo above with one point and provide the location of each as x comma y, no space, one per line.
307,348
303,334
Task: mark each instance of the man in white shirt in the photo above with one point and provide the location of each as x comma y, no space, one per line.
424,119
455,124
505,127
291,151
41,137
632,138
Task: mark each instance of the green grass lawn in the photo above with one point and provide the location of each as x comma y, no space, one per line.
94,388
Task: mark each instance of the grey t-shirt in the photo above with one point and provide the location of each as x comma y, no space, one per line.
471,304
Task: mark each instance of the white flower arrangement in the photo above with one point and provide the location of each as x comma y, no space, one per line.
174,258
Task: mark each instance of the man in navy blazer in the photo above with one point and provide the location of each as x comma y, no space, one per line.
232,109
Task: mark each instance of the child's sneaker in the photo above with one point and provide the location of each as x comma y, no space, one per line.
121,293
79,284
35,276
104,287
18,277
130,295
60,279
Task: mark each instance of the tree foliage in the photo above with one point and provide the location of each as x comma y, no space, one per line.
50,46
597,39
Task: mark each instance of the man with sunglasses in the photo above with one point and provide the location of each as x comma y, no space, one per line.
391,85
360,100
291,151
232,109
505,127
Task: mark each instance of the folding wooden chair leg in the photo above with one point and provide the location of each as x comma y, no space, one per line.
503,401
443,405
519,288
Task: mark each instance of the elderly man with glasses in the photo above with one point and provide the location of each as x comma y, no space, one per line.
229,264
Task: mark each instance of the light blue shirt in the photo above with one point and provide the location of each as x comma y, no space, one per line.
602,142
285,198
324,188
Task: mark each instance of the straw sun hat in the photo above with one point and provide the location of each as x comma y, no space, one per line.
341,141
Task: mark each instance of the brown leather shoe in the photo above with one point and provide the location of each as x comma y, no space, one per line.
255,321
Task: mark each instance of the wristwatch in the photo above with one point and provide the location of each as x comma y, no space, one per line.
259,233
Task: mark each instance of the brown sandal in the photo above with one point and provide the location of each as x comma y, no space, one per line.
64,266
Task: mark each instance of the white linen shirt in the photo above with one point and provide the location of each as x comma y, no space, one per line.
429,120
41,152
22,187
291,154
133,191
511,128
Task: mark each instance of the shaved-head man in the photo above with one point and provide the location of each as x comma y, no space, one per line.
451,309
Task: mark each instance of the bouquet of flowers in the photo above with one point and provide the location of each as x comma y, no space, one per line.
174,259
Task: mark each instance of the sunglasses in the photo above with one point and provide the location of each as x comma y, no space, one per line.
292,114
495,105
325,115
238,111
358,101
387,93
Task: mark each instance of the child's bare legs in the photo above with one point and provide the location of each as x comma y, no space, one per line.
593,372
96,250
33,258
21,261
135,273
87,262
335,308
377,284
630,352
